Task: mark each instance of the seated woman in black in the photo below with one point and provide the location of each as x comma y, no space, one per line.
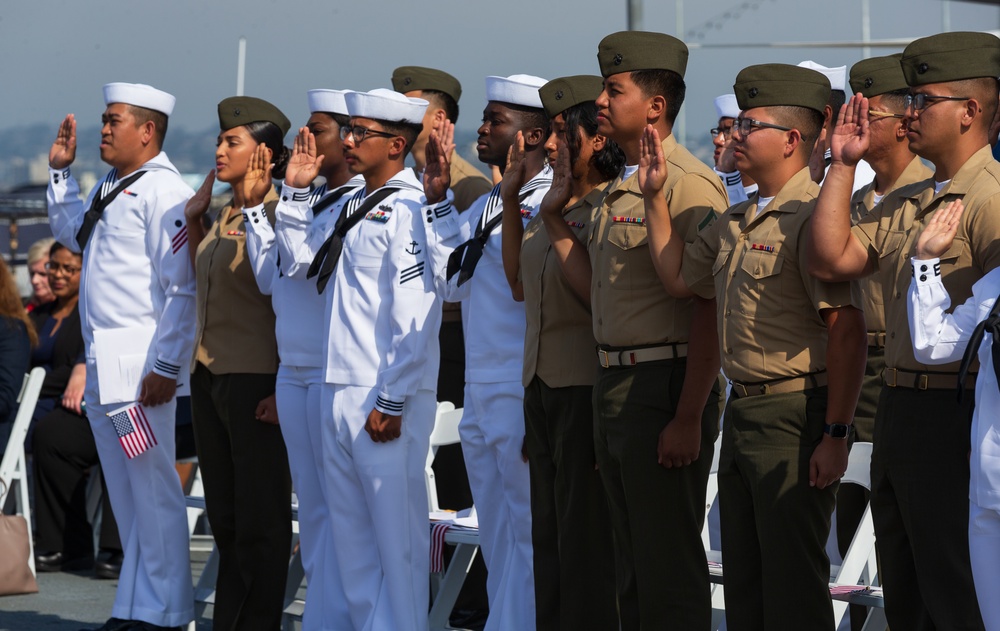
62,444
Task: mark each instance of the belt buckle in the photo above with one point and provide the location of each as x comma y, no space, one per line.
922,382
602,355
890,377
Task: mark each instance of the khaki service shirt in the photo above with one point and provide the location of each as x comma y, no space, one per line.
235,331
559,339
768,304
861,204
630,306
890,233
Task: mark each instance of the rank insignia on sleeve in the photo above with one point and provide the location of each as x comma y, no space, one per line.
179,240
762,247
414,271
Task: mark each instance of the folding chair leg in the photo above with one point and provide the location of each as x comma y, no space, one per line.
451,585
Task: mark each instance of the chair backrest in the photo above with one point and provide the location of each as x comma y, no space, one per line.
445,432
711,491
12,465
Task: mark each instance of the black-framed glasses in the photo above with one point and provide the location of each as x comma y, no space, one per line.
54,268
748,125
725,131
921,101
360,133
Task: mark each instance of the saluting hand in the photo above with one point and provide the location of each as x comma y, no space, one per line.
939,233
197,206
652,165
304,165
437,172
559,193
257,181
850,139
63,150
513,175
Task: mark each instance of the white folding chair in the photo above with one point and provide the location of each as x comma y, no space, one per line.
711,496
445,432
13,467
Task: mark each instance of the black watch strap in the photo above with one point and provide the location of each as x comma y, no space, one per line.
838,430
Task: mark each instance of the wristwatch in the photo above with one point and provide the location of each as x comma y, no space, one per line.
838,430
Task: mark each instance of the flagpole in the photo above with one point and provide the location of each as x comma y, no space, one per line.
241,66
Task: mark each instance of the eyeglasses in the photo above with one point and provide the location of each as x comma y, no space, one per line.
359,133
922,101
748,125
876,114
55,268
725,131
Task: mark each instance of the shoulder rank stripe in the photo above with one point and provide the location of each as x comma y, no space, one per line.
575,224
636,220
179,240
762,248
411,272
378,215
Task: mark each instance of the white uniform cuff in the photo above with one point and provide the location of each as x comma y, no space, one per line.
290,194
58,175
926,272
390,405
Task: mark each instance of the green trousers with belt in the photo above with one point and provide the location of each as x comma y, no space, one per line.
657,514
774,525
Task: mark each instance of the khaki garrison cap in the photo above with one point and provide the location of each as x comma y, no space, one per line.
563,93
627,51
243,110
951,57
878,75
767,85
410,78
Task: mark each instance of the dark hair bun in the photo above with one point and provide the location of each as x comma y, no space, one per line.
281,163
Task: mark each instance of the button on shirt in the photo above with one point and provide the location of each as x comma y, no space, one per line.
559,339
630,306
768,304
235,321
940,337
890,233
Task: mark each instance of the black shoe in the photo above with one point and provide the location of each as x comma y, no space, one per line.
57,562
108,565
116,624
149,626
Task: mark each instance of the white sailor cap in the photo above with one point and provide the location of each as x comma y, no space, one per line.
518,89
140,95
726,106
386,105
837,75
331,101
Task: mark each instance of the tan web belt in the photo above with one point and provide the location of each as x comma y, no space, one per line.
633,356
899,378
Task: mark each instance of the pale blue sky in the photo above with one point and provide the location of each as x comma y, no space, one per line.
57,53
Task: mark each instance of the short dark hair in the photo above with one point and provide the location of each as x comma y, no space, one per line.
984,90
270,134
145,115
530,117
665,83
59,246
895,99
408,131
837,100
444,101
342,120
583,116
806,120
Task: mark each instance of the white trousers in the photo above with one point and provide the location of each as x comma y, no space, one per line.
378,503
984,548
146,495
299,391
492,432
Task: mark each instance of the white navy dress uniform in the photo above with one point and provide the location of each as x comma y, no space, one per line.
492,425
727,107
940,337
382,320
298,310
137,273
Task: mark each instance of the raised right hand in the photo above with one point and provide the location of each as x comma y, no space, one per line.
652,164
561,190
513,175
63,150
437,172
304,165
939,233
197,206
850,139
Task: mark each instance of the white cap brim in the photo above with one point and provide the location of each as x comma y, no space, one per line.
837,75
726,106
331,101
518,89
140,95
386,105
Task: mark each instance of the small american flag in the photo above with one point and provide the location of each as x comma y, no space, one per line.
133,429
